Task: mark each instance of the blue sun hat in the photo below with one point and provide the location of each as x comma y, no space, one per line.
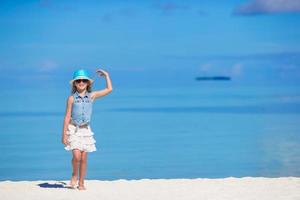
81,74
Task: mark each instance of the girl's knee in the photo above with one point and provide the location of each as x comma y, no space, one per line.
76,158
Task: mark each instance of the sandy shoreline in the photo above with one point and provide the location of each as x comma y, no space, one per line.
212,189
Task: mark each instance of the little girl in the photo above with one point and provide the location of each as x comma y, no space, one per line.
77,134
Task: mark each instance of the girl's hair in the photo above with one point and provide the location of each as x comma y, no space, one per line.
88,87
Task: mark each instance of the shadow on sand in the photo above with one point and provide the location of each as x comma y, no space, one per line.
55,185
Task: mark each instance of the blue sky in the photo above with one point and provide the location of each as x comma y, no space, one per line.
150,42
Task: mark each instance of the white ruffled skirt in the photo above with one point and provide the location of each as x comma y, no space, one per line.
81,138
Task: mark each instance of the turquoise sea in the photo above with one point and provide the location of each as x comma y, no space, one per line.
207,131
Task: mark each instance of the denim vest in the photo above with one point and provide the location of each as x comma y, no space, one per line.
81,109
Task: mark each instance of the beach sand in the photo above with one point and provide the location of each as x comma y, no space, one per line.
255,188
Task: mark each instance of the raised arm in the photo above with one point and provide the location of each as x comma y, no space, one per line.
107,90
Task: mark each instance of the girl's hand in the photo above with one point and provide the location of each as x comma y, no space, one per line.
65,140
101,72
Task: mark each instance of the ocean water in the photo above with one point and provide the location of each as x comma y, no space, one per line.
209,131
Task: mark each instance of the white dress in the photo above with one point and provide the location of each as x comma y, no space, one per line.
80,138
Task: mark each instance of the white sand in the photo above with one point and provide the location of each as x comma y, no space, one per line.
256,188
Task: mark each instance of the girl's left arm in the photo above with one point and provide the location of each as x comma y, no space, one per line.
107,90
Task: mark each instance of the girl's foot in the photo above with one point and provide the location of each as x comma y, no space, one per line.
73,181
81,187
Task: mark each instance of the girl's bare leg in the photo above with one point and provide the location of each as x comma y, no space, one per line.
75,164
83,164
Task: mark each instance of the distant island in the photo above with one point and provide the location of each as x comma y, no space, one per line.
214,78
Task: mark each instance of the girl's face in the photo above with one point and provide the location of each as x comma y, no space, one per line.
81,84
